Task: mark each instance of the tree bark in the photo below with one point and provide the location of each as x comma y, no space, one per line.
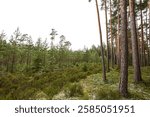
101,43
112,55
135,53
146,30
118,36
123,86
149,33
107,36
142,38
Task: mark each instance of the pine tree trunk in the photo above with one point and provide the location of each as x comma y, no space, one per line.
107,36
135,53
142,38
149,32
146,30
101,43
118,37
112,55
123,86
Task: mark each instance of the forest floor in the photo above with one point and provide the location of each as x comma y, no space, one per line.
72,84
93,88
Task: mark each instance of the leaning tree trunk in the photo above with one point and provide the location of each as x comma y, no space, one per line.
135,53
123,86
107,36
101,43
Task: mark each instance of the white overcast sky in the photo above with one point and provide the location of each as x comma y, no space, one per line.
76,19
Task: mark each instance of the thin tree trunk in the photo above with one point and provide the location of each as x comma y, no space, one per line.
149,32
142,38
107,36
123,86
112,57
101,43
146,30
135,53
118,37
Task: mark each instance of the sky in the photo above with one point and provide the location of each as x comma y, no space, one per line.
75,19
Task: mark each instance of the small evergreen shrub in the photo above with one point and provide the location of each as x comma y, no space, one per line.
107,94
74,90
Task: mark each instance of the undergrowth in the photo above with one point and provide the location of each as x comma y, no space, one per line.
78,82
43,83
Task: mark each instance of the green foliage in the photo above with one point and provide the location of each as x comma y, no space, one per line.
21,55
107,94
36,71
74,90
85,68
41,84
37,64
95,88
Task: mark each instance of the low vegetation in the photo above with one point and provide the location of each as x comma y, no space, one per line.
45,84
95,89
